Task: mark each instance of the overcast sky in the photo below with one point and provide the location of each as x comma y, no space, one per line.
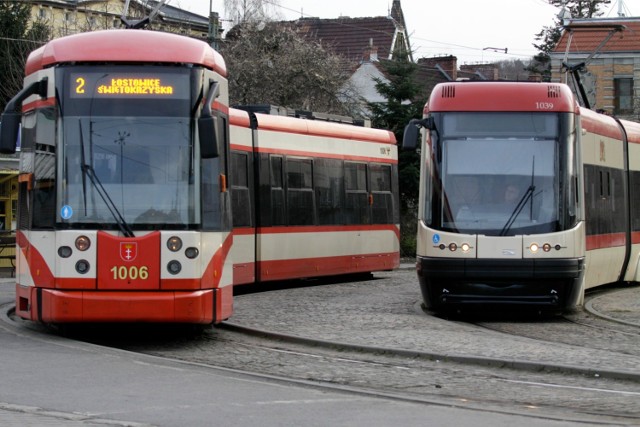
472,30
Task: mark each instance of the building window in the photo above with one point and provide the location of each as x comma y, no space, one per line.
623,94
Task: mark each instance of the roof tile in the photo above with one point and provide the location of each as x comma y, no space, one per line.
587,40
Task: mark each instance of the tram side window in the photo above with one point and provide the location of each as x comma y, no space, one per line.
328,177
634,184
382,207
300,210
240,197
44,191
357,201
211,199
277,191
38,147
604,200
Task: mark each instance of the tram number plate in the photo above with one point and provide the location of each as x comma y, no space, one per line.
130,273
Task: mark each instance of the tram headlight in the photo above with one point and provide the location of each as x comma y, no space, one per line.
83,243
174,267
534,247
546,247
453,247
82,266
465,247
191,252
64,251
174,244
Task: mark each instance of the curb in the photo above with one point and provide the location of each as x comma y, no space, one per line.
522,365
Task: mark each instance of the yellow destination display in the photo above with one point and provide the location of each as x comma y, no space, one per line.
135,87
131,86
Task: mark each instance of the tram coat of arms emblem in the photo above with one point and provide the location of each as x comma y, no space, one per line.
128,251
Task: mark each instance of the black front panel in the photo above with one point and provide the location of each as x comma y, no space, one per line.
553,283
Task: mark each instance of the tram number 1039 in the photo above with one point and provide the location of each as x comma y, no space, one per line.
130,273
545,106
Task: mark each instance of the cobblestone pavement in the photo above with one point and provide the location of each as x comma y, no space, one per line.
385,313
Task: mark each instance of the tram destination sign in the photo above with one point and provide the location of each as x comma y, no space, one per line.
129,85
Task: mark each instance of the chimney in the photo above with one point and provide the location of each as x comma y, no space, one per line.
370,53
448,64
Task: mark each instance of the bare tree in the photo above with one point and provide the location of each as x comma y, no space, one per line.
513,69
239,11
272,64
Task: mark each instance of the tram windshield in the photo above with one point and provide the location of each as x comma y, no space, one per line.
127,149
499,174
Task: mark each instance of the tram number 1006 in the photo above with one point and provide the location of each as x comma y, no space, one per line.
130,273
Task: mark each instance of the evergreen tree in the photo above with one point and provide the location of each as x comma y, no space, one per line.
549,36
404,102
18,37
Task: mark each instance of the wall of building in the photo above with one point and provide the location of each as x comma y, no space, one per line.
600,75
65,18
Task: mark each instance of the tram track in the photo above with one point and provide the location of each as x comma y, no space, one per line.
590,307
590,325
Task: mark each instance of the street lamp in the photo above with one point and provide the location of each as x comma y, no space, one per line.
496,49
493,49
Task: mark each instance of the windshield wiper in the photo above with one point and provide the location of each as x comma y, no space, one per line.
521,204
88,171
523,201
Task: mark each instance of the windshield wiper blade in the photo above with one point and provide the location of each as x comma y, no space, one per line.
521,204
122,224
88,171
84,177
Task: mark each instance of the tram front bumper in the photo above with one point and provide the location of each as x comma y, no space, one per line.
62,306
550,283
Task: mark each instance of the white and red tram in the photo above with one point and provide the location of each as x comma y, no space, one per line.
525,198
144,197
325,198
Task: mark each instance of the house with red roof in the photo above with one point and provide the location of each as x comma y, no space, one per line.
379,36
366,43
609,48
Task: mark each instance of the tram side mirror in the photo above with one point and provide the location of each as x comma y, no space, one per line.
410,137
208,125
207,132
9,131
12,115
411,132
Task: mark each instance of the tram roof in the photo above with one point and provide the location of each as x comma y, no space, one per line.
502,96
287,124
326,129
128,46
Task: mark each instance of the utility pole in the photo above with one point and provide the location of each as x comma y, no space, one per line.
214,26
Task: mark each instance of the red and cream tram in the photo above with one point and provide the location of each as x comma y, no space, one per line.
525,198
144,197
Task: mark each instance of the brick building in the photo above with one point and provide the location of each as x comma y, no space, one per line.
66,17
610,49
